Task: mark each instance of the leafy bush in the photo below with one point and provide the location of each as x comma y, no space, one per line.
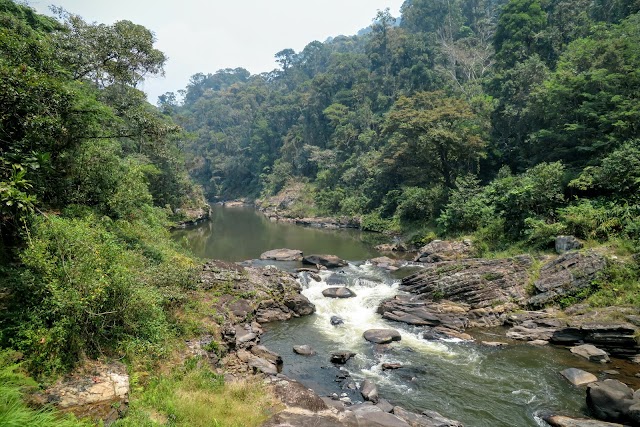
89,286
420,204
373,222
541,234
468,207
328,201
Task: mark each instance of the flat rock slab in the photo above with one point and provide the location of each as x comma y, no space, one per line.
591,352
338,292
329,261
369,391
382,336
560,421
282,255
578,377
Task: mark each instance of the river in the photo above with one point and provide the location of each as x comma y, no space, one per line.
479,385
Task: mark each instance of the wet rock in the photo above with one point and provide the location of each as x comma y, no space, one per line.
387,263
369,391
591,352
341,292
566,276
341,357
539,343
444,250
391,366
414,311
329,261
336,320
578,377
382,336
300,305
567,243
611,400
303,350
560,421
611,372
282,255
268,355
426,419
494,343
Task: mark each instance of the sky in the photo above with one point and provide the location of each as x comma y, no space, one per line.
200,36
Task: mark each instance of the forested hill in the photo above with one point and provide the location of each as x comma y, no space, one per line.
468,112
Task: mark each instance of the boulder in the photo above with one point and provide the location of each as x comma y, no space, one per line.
387,263
384,405
336,320
382,336
260,365
560,421
539,343
391,366
300,305
565,276
268,355
444,250
329,261
611,400
578,377
567,243
338,292
244,336
369,391
591,352
494,343
303,350
241,309
392,247
341,357
282,255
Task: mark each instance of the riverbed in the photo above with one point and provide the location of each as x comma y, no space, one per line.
473,383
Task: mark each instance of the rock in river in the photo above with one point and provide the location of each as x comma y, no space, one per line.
560,421
382,336
282,255
340,292
329,261
303,350
591,352
369,391
336,320
611,400
578,377
341,357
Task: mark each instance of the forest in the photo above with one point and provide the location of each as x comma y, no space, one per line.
508,122
517,120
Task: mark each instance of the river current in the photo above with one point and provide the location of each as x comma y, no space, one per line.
479,385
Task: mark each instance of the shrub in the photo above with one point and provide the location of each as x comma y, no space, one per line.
541,234
420,204
373,222
468,207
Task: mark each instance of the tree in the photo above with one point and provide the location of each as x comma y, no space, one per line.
107,54
433,138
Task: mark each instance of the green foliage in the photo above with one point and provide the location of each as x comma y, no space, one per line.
373,222
90,286
618,284
540,234
468,208
420,204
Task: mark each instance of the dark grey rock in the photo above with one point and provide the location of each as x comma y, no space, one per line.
329,261
268,355
336,320
382,336
567,243
338,293
611,400
341,357
591,352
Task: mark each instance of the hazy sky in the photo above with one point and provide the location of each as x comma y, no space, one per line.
205,36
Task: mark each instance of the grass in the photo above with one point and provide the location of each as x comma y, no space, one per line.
194,396
618,284
14,412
